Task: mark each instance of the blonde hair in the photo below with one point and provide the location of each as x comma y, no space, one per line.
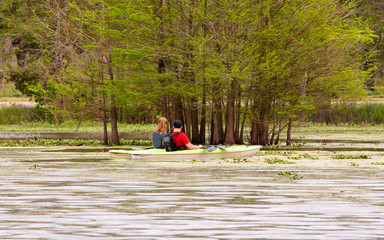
162,126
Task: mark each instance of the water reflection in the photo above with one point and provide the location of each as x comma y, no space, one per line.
67,197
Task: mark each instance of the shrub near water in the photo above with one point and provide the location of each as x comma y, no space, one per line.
17,114
365,113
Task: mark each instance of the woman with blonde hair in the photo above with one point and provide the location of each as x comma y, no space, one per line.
161,131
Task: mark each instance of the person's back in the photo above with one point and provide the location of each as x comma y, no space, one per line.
181,140
157,139
159,134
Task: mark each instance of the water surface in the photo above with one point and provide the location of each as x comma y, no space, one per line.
87,195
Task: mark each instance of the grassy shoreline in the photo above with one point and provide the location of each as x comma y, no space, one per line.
303,132
90,126
71,126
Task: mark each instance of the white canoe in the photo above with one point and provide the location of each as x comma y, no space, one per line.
236,151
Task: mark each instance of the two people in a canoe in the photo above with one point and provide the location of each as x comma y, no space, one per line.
175,140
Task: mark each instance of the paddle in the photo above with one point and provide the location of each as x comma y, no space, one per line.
213,148
137,148
209,148
221,147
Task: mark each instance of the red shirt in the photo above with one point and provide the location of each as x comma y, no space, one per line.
181,139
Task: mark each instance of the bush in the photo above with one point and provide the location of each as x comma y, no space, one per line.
18,114
372,113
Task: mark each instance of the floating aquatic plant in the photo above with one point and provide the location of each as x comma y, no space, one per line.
290,175
353,164
341,156
240,160
377,163
278,161
35,166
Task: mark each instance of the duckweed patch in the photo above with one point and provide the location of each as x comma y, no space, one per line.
289,153
306,155
291,176
35,166
377,163
239,160
295,157
341,156
300,144
278,161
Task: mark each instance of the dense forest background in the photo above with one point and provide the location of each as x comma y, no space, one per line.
216,65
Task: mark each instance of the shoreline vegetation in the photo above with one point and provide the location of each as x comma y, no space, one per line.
305,135
95,127
17,120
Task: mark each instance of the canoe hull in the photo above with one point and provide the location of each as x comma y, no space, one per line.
156,154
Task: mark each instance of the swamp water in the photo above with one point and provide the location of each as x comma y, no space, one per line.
65,194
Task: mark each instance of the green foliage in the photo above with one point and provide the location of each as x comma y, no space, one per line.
359,113
24,80
49,142
65,142
341,127
370,11
20,115
10,92
39,124
280,57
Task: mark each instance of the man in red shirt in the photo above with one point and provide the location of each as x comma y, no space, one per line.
181,139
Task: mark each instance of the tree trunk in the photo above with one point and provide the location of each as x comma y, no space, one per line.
217,124
230,118
274,126
241,136
113,115
195,122
105,127
217,133
260,127
113,119
163,99
289,132
188,119
277,140
238,119
324,114
177,110
203,119
164,108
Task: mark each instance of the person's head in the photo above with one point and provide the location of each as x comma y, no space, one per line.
177,124
162,126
